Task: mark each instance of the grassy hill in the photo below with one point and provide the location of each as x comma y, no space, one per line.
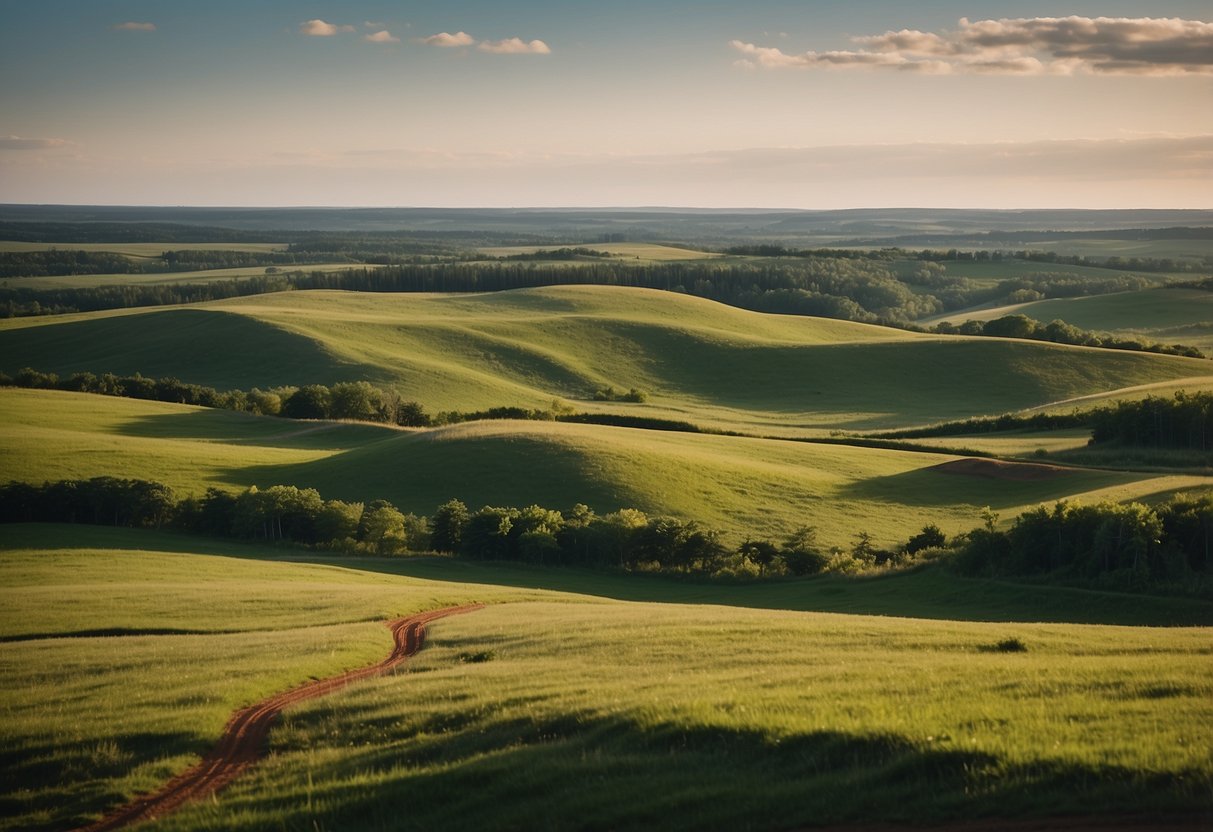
697,359
741,486
585,712
1168,316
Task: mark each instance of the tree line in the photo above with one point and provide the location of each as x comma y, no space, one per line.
1129,546
1184,421
1106,544
1060,332
349,400
60,262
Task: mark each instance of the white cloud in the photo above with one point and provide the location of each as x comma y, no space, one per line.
515,46
1032,46
383,36
20,143
134,26
320,29
446,39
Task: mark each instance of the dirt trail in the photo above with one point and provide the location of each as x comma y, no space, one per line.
243,740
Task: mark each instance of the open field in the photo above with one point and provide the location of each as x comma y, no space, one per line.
741,486
584,712
991,273
697,360
141,249
1168,316
91,281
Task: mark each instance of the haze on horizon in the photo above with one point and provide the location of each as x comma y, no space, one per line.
773,103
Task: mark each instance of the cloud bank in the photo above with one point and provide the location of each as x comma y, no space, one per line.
515,46
1019,46
506,46
320,29
382,36
449,41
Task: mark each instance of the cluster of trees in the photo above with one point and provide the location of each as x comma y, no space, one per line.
1059,332
344,400
1183,421
26,300
352,400
627,539
565,253
1125,545
610,394
1111,544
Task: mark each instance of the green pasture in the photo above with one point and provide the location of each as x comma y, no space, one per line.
697,360
738,485
574,711
1168,316
990,273
92,281
141,249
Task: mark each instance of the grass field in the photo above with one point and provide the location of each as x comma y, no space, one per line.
696,359
141,249
90,281
991,273
740,486
1168,316
576,712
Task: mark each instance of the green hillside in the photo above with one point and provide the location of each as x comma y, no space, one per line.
1168,316
586,712
741,486
696,359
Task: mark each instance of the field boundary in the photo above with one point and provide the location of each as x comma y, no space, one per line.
242,743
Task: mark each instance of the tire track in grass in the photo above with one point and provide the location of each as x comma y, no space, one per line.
243,741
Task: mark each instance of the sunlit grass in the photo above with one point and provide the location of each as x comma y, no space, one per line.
611,716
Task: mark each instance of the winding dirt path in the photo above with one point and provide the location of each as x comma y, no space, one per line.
243,740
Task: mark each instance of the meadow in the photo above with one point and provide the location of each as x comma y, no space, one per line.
599,699
699,361
702,716
92,281
1163,315
741,486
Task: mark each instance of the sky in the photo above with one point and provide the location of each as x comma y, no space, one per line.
589,103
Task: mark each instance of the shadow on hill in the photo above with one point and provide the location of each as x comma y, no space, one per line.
29,765
418,472
454,766
934,486
234,428
930,593
209,347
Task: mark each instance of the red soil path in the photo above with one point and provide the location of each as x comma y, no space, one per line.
243,739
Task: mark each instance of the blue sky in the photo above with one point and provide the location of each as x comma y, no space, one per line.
783,104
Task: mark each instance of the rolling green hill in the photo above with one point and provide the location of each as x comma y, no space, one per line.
1169,316
586,712
697,359
741,486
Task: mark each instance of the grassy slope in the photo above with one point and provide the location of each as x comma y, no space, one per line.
742,486
90,281
1165,315
773,715
698,359
141,249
